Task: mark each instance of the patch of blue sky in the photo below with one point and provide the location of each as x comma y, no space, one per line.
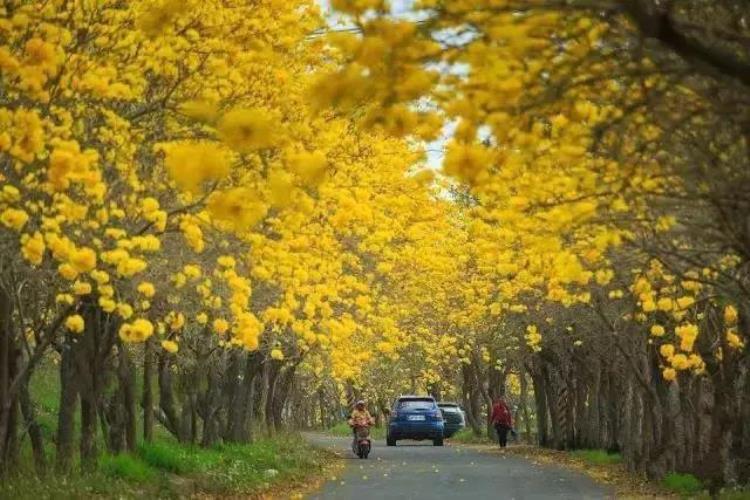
405,9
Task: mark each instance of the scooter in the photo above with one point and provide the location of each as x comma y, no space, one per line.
361,445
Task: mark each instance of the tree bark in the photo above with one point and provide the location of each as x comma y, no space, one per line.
33,428
66,412
147,396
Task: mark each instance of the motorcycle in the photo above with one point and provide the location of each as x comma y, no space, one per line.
361,445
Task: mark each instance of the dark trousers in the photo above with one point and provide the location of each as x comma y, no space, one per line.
502,434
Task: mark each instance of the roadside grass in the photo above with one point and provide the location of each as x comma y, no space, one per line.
598,457
735,494
169,470
342,429
467,436
685,485
126,467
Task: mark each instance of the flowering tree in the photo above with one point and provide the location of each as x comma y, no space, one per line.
232,200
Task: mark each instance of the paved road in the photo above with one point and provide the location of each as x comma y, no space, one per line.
420,471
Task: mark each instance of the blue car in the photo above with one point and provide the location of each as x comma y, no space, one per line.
415,417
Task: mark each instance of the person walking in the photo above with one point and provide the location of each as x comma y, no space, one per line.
501,420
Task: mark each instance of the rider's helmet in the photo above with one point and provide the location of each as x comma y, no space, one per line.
359,404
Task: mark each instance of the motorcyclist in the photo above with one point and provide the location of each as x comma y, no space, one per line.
360,417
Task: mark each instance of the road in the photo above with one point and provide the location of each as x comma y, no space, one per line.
420,471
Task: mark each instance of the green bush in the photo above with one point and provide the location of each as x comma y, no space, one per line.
598,457
683,484
126,467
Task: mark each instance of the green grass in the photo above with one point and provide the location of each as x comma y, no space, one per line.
737,494
342,429
598,457
171,458
467,436
162,469
169,470
682,484
126,467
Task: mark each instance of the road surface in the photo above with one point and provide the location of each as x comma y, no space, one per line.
419,470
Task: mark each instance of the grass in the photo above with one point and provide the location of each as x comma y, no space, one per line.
682,484
126,467
598,457
735,494
168,470
170,458
467,436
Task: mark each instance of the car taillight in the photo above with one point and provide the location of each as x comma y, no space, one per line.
436,416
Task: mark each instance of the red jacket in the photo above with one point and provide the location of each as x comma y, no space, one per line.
501,415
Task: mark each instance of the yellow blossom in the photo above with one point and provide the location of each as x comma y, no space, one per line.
657,330
67,271
146,289
170,346
220,326
277,354
192,165
75,323
83,259
730,315
13,218
667,351
81,288
32,248
137,331
248,130
125,311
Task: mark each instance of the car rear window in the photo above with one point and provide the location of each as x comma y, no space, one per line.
416,404
449,407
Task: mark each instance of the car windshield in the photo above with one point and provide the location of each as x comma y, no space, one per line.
416,404
448,407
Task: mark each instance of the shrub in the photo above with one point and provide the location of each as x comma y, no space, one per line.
684,484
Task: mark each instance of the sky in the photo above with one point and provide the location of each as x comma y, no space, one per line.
435,149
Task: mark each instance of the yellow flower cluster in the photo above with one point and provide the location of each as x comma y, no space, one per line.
192,165
33,248
533,338
75,323
170,346
137,331
13,218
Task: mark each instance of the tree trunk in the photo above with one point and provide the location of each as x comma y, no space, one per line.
147,396
126,381
8,401
166,398
273,377
540,400
524,402
66,412
33,428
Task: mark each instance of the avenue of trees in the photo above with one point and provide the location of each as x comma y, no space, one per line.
217,219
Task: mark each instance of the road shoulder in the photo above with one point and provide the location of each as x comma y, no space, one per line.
625,484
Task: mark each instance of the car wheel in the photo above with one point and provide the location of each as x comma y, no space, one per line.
437,442
390,442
